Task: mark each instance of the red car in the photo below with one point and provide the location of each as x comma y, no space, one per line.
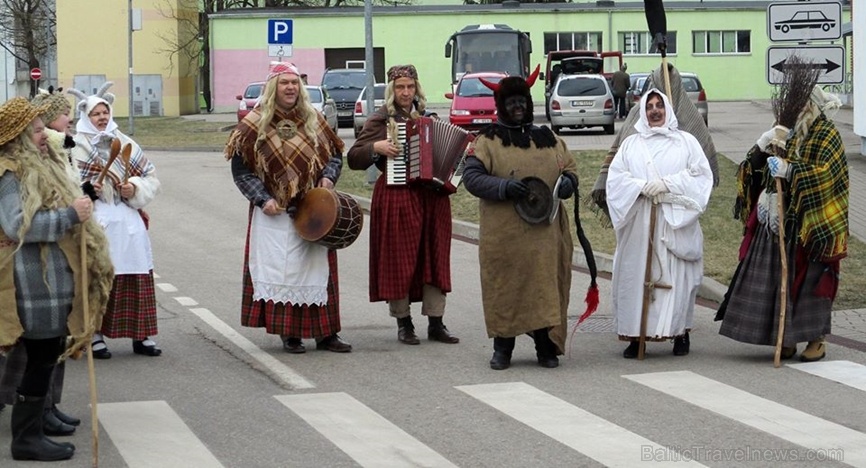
472,104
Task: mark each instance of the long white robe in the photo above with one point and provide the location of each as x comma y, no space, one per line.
677,259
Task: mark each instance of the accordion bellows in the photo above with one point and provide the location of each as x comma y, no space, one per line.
433,153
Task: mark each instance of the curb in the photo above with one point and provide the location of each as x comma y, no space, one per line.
709,289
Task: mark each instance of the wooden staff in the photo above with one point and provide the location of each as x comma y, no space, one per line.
115,150
783,286
91,371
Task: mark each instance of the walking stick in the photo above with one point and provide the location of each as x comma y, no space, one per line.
783,286
647,284
91,371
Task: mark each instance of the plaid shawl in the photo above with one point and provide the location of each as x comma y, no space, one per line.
139,165
818,190
287,160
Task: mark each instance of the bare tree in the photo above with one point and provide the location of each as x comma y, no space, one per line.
28,31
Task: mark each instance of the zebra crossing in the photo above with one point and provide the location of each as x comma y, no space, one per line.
370,440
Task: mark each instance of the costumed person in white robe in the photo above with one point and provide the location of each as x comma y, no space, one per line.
123,194
659,164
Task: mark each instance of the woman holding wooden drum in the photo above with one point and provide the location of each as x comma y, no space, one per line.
280,152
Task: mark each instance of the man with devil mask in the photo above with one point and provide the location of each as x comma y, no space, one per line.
521,296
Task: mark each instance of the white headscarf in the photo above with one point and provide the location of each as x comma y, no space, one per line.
86,127
671,124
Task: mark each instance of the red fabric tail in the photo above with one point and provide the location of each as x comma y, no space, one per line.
591,303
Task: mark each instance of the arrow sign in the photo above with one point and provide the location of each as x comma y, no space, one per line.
829,59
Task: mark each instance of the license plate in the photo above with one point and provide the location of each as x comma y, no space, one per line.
581,103
344,114
482,121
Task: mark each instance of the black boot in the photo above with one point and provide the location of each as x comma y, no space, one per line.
28,440
545,350
53,426
406,331
71,420
436,331
502,348
681,345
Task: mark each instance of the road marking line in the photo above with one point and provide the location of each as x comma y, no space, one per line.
280,371
595,437
760,413
186,301
150,433
370,439
844,372
166,287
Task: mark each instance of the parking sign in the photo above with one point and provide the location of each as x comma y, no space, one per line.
279,32
804,21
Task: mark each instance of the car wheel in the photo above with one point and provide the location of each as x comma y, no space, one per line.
785,29
357,132
556,129
825,27
608,129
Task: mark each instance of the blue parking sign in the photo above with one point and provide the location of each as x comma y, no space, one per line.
280,31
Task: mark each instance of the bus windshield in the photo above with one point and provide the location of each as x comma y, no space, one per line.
489,51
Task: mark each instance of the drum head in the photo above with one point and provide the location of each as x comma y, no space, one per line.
535,207
317,214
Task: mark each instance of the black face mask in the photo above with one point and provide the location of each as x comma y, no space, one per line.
516,108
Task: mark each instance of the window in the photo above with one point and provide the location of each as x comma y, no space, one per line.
721,42
572,41
640,42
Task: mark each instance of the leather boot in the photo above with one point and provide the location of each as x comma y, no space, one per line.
815,351
71,420
502,349
681,345
53,426
406,331
436,331
28,440
545,350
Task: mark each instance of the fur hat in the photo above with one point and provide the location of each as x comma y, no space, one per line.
15,115
513,86
86,103
56,102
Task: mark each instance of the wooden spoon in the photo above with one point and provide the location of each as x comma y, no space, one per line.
115,150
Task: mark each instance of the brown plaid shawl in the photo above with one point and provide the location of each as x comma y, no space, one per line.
287,160
139,165
817,189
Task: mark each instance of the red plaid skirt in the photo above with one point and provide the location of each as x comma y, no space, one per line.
410,242
300,321
131,311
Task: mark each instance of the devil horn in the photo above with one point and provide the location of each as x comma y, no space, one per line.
493,86
534,76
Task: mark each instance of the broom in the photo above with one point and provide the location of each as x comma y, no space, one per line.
789,99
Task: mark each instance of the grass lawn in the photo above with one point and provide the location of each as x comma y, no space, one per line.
722,233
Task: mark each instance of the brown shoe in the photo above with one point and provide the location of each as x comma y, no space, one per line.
437,331
294,346
815,351
406,331
334,344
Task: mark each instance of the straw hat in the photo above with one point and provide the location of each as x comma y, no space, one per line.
15,115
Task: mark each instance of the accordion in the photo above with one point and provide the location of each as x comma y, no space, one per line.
433,153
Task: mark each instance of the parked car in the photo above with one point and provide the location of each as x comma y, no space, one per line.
636,80
472,103
581,101
344,85
249,98
324,103
694,89
360,114
319,98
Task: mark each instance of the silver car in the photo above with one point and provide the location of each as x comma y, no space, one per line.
694,89
361,112
322,101
581,101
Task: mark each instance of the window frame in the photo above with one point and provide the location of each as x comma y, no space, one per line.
720,41
645,40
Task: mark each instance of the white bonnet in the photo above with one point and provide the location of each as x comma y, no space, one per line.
86,103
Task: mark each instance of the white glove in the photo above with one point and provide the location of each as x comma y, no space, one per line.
778,167
768,212
765,139
776,136
653,188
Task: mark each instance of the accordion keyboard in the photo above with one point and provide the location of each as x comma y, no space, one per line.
395,170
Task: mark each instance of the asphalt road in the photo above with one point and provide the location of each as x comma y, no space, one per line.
223,395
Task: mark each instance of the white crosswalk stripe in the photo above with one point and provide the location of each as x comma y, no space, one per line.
760,413
364,435
591,435
150,433
844,372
